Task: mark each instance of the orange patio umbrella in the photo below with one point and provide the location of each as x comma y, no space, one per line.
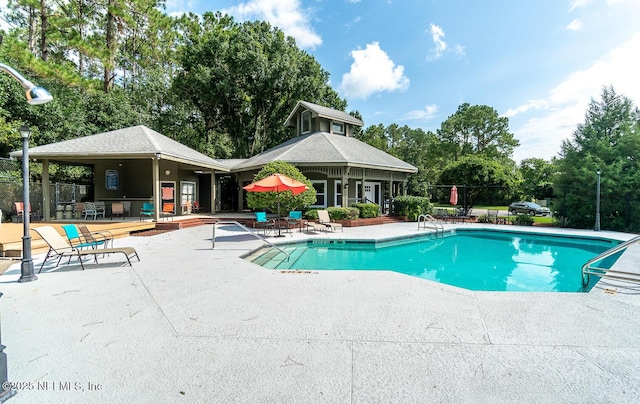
277,183
453,199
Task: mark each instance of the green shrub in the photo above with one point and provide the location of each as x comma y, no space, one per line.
343,213
485,219
367,209
412,206
523,220
311,214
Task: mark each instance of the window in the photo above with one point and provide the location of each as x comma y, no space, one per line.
188,195
338,193
337,127
321,194
306,121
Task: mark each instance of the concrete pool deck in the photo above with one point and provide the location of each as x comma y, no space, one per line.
191,324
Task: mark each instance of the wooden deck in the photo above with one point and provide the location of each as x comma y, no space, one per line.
11,233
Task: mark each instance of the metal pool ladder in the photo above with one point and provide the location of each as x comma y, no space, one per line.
432,221
246,229
588,269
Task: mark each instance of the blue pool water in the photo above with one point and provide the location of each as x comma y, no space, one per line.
473,259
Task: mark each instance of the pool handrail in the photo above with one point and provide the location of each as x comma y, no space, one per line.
432,221
246,229
587,269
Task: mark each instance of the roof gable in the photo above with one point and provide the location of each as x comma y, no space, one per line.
322,148
133,142
322,112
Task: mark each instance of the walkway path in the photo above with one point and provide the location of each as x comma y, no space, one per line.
191,324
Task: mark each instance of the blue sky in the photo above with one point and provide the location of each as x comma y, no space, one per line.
413,62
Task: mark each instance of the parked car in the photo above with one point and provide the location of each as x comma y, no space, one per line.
528,208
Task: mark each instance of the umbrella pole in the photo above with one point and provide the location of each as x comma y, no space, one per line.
279,235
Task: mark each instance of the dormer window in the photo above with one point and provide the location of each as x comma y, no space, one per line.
337,127
306,121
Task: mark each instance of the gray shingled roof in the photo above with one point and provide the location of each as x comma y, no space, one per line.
323,112
129,143
323,148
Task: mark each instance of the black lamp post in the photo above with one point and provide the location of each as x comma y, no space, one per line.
35,96
597,226
27,273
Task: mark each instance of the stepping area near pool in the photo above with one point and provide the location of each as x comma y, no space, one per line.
192,324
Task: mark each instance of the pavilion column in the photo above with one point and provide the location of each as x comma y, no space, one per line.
404,187
345,191
213,192
239,193
362,195
46,208
155,167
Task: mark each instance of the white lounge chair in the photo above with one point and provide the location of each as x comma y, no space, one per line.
323,218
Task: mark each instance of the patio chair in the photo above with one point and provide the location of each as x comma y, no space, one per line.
323,218
96,237
117,208
317,226
127,207
89,209
59,248
19,207
295,219
147,210
74,238
101,208
168,210
195,207
263,223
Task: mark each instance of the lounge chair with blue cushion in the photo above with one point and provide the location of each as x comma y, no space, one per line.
263,223
59,248
74,238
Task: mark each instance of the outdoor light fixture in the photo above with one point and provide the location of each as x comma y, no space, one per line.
167,172
35,96
597,226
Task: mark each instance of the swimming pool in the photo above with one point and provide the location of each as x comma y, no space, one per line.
472,259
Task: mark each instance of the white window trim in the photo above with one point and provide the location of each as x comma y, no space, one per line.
302,115
325,193
337,185
184,197
338,123
370,183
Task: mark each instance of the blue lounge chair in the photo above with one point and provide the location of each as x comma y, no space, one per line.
75,239
263,223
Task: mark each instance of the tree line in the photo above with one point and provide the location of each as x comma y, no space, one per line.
223,87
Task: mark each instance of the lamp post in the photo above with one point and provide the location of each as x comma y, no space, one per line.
597,226
27,273
35,96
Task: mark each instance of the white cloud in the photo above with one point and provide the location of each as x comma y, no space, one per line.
441,47
575,25
437,34
578,4
426,114
372,71
287,15
554,118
